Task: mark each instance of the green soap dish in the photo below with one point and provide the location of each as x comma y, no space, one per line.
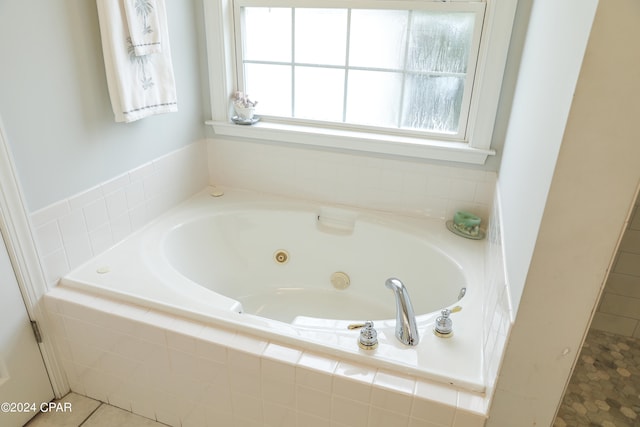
481,234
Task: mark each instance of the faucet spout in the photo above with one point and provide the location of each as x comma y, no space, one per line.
406,327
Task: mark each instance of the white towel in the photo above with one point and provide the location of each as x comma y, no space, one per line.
139,86
144,28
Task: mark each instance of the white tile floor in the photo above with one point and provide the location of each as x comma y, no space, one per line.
87,412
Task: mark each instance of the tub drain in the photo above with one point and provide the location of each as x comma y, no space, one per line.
281,256
340,280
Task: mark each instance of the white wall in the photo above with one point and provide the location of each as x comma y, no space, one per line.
55,105
551,61
591,193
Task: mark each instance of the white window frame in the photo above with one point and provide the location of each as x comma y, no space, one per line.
475,149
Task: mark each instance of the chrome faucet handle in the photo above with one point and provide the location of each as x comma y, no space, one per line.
444,325
368,339
358,325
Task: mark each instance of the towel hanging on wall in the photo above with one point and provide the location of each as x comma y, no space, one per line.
144,28
139,85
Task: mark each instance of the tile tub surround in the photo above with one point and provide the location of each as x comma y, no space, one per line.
138,196
498,314
184,373
398,185
71,231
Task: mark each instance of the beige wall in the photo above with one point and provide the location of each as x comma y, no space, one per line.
591,194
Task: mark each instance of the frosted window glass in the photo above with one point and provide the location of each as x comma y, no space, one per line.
267,34
270,85
433,103
379,107
384,68
378,38
321,36
440,41
319,101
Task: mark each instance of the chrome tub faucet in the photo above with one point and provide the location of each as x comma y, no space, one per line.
406,328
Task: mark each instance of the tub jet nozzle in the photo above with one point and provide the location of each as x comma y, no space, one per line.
340,280
281,256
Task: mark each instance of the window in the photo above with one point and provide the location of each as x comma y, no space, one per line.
398,77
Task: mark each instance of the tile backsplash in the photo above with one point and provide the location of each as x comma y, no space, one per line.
405,186
71,231
498,313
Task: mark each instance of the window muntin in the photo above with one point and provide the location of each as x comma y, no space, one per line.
320,64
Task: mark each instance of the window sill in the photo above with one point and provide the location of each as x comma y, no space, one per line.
356,141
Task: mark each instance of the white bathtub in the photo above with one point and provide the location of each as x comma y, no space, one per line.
264,265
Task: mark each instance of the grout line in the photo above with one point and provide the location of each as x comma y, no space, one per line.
90,415
155,420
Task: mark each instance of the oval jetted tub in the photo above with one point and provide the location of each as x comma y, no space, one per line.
301,272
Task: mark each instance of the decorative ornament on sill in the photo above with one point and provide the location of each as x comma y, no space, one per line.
245,109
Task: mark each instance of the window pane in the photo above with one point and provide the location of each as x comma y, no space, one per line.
379,107
378,38
432,103
315,100
270,85
440,41
267,35
321,36
405,68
